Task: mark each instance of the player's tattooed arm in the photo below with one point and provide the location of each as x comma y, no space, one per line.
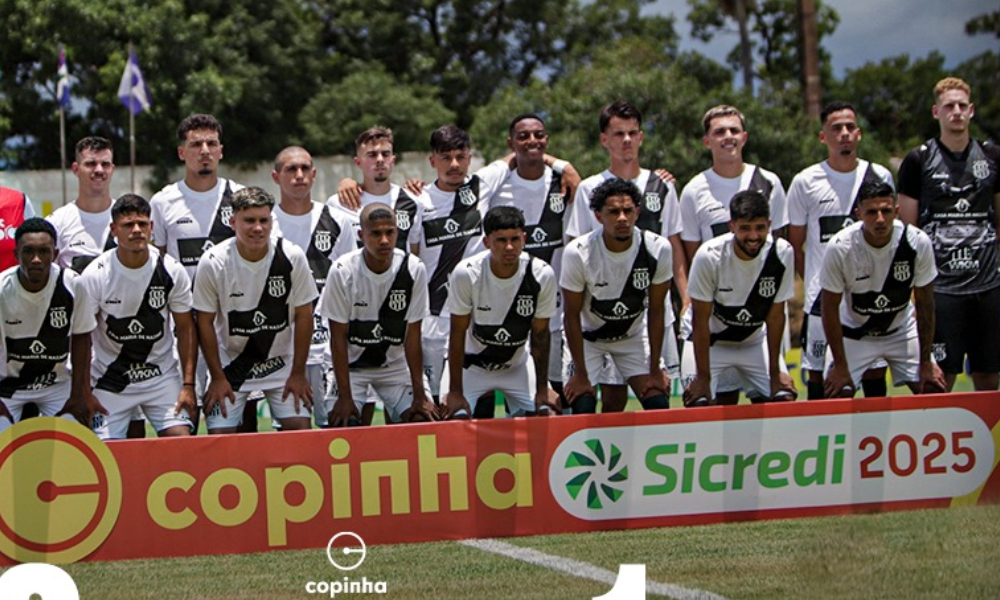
541,340
931,377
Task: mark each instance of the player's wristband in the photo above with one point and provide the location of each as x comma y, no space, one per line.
559,165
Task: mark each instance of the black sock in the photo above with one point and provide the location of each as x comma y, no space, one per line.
815,390
874,388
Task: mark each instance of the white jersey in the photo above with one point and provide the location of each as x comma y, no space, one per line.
35,330
822,200
735,286
877,281
615,284
502,309
82,236
324,236
377,307
254,305
659,211
705,201
545,213
453,227
409,211
187,222
129,313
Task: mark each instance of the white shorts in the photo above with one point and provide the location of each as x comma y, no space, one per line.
901,351
158,403
517,384
434,333
316,374
49,401
280,409
555,355
629,357
746,364
814,357
392,384
670,362
728,380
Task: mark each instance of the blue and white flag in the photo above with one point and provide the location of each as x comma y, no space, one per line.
62,86
133,91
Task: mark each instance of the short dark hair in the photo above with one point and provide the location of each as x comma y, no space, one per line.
130,204
35,225
197,122
94,143
836,106
252,197
613,187
621,109
749,205
722,110
503,217
875,189
450,137
523,117
376,211
372,134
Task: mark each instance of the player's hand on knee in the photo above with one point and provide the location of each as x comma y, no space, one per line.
218,392
698,392
783,388
297,386
423,409
578,385
932,379
547,403
456,406
343,412
186,402
838,383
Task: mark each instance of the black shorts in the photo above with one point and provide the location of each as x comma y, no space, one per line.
967,325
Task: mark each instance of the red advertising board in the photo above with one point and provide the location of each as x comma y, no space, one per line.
65,496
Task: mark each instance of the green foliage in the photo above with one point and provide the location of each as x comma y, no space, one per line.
983,74
985,23
369,97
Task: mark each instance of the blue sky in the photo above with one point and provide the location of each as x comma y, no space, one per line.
870,30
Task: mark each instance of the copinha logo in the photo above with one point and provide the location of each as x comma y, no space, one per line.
62,491
600,472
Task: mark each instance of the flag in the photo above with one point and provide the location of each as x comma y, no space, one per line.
62,86
133,91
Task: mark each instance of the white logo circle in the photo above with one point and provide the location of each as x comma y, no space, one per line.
347,551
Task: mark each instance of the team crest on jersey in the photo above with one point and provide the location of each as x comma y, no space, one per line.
538,235
640,279
466,196
397,300
276,286
981,169
402,219
157,297
58,318
323,241
962,205
525,306
225,214
768,287
556,202
901,271
653,202
882,301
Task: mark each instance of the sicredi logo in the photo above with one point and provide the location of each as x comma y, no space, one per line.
772,463
74,502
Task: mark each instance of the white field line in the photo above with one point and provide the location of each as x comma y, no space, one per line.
582,569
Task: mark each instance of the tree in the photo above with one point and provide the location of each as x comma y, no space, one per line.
984,23
708,17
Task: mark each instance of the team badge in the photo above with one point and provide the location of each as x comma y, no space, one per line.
538,235
981,169
58,318
225,214
502,335
525,306
402,220
556,203
901,271
466,196
939,351
962,205
323,241
157,297
451,226
881,301
640,279
276,286
768,287
397,300
653,202
818,349
743,316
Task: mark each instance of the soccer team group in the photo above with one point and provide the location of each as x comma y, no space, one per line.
518,278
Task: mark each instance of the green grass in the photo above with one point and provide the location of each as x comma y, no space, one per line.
919,555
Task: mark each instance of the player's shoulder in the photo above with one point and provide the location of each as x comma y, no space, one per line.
846,238
63,215
170,193
173,266
784,249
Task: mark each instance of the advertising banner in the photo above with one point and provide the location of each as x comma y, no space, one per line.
65,496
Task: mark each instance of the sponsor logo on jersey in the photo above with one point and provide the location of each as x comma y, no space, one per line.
901,271
743,316
640,278
768,287
139,372
525,306
981,169
135,327
58,318
12,321
466,196
653,202
323,241
961,260
259,318
42,381
397,300
451,226
882,301
157,297
485,308
556,202
266,367
184,221
538,235
276,286
620,309
962,205
502,335
37,347
402,219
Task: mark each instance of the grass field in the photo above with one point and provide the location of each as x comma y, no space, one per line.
919,555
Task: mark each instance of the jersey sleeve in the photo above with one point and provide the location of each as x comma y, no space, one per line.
690,229
779,204
85,302
159,222
460,290
578,222
303,283
29,208
925,267
420,305
787,288
492,177
798,209
417,228
181,298
909,175
671,212
546,308
831,274
206,294
347,240
664,261
573,277
334,304
703,276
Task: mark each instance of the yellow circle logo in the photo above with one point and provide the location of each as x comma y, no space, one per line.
62,491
